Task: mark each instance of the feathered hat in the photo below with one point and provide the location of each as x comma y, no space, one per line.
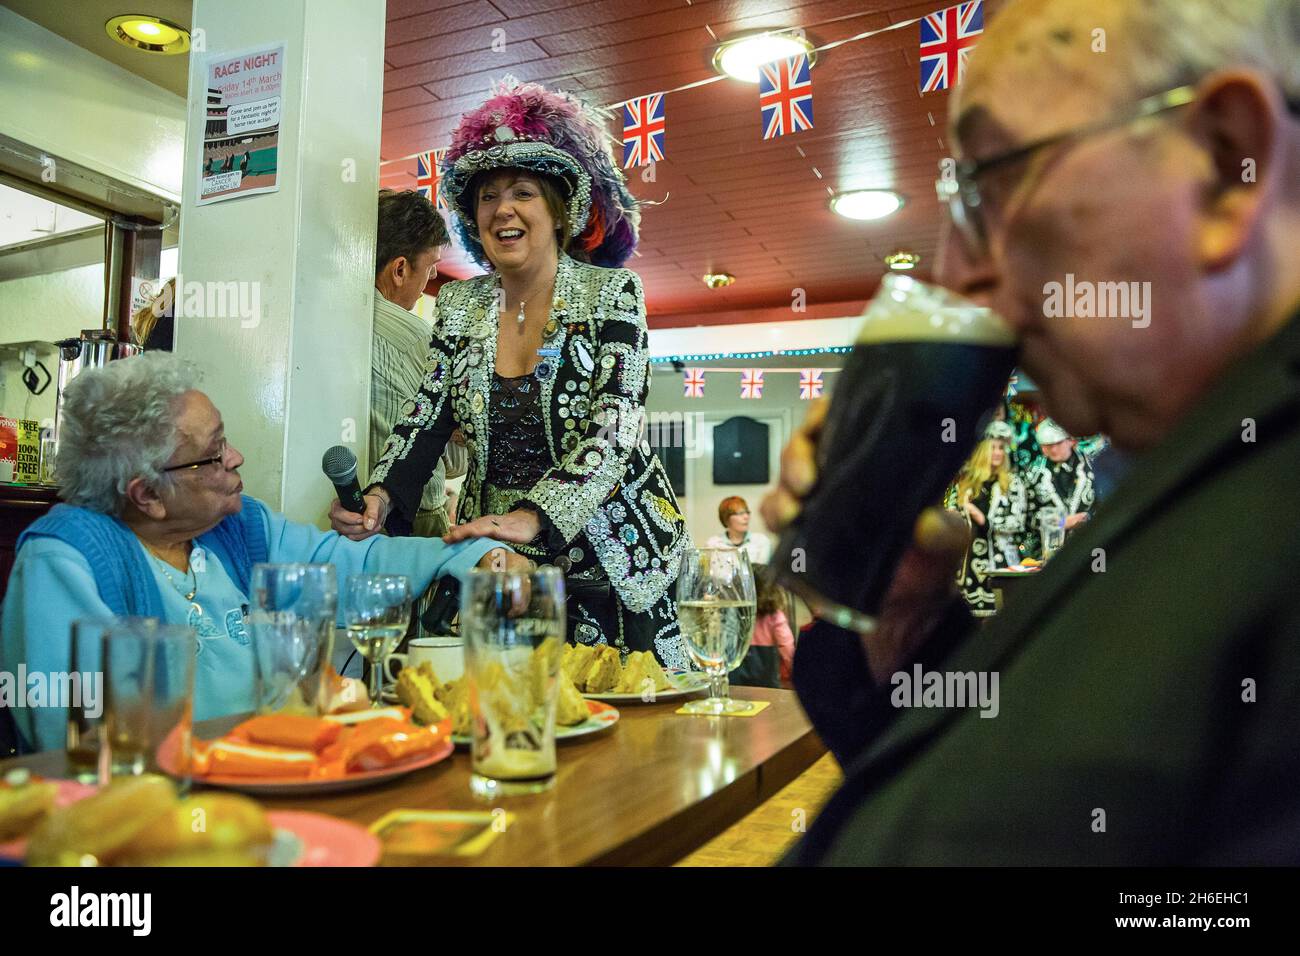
528,126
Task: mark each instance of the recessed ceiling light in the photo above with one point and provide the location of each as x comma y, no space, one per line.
148,34
902,261
740,58
718,280
866,203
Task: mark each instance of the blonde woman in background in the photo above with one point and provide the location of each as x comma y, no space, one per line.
992,497
152,325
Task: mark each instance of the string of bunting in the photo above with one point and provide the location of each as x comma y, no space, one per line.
785,90
811,380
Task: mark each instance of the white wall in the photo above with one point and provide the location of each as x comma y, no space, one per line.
296,381
52,306
66,101
780,408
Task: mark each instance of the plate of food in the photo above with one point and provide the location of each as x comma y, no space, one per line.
597,671
292,755
431,700
141,821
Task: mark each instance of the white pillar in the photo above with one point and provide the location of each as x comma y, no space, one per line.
293,379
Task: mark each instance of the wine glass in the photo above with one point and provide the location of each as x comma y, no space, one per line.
716,605
377,612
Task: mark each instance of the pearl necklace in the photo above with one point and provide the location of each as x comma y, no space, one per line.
522,302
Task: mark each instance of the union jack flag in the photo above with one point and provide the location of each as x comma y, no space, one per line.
785,96
427,176
751,383
643,130
946,41
810,383
694,383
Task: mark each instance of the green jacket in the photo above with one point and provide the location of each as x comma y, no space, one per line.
1148,679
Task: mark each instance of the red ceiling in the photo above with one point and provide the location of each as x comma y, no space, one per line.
736,203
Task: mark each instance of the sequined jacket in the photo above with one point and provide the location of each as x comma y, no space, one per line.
605,484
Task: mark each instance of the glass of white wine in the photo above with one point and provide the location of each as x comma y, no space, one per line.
716,605
377,612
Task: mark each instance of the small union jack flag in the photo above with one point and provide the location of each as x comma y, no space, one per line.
810,383
427,176
946,41
751,383
694,383
643,130
785,96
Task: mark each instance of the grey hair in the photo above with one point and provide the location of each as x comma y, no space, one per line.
1176,42
119,423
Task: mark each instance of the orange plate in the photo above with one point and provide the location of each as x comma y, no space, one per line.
297,786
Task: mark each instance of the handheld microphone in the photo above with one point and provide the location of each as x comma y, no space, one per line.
340,467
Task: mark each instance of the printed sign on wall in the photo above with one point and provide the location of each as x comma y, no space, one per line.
241,139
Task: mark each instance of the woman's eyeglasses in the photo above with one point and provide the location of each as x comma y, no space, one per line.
215,460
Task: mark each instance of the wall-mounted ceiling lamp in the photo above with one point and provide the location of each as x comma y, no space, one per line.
149,34
718,280
740,58
866,203
902,261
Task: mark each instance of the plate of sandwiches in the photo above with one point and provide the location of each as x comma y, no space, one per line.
432,701
142,821
298,755
598,671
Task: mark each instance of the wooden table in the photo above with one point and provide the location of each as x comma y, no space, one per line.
648,791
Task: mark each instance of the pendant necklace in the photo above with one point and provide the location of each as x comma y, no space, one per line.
166,570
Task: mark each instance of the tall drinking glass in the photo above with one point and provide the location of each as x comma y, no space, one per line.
292,622
716,606
86,708
148,672
1051,530
377,611
906,410
514,626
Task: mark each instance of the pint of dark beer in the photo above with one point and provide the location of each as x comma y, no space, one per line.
906,411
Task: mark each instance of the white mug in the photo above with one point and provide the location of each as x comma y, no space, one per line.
446,654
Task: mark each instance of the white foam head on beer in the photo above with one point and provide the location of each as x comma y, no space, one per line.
906,310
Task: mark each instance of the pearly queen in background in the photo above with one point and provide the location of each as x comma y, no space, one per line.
543,365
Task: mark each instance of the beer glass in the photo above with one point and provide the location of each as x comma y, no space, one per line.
514,626
148,670
909,405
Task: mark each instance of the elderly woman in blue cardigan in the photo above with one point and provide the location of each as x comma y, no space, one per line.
155,525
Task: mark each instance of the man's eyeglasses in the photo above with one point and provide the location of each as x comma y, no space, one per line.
215,460
968,207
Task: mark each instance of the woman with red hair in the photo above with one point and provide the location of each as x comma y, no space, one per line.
734,515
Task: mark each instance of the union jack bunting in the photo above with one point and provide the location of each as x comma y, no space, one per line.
643,130
785,96
751,383
810,383
426,177
946,41
694,380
